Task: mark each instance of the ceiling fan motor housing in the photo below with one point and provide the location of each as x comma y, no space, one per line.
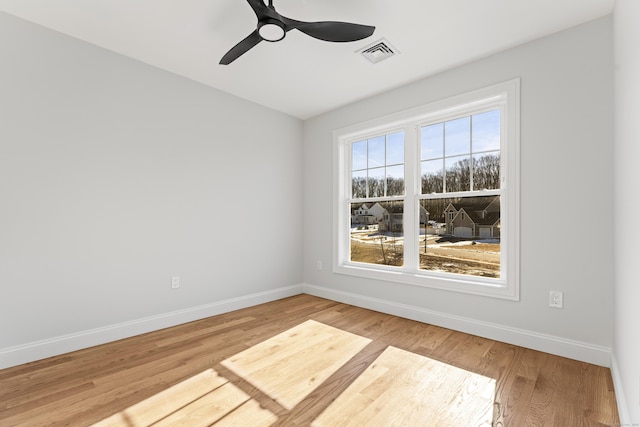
271,30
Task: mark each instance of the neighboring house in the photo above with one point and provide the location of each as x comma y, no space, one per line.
393,217
424,216
368,214
473,218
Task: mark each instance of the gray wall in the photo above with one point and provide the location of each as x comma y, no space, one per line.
626,348
115,175
566,185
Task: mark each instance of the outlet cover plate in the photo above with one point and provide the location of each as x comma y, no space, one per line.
555,299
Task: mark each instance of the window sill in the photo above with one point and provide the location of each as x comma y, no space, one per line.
452,282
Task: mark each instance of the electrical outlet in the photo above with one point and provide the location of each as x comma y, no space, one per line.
175,282
555,299
319,264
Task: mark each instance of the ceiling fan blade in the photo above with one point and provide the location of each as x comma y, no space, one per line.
258,7
332,31
241,48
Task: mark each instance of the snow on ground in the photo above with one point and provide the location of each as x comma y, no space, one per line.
373,236
469,242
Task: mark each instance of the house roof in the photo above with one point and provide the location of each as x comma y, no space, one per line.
472,203
490,218
396,208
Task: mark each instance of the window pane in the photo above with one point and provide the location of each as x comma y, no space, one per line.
359,155
376,152
395,180
486,171
431,145
457,136
432,176
458,173
359,184
462,235
377,237
486,131
375,182
395,148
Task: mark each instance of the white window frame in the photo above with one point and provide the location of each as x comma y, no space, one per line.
506,97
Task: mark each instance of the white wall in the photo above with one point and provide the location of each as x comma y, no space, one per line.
626,349
115,175
566,196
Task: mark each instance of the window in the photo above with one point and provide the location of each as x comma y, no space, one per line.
439,187
377,180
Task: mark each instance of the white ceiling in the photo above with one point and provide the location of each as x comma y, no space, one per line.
300,75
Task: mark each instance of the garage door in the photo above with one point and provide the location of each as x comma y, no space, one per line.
462,232
485,232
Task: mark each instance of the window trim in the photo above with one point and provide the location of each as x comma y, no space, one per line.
507,95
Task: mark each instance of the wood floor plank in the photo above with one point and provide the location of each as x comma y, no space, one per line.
403,388
170,400
292,364
543,404
112,380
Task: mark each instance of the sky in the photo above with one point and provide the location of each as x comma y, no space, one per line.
442,145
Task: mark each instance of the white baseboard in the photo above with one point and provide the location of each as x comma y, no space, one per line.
577,350
623,410
30,352
586,352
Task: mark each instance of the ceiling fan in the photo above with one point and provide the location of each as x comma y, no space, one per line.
272,27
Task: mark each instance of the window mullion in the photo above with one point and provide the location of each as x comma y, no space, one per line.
366,182
444,159
471,186
412,189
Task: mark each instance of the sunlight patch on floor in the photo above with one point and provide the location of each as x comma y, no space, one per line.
202,400
289,366
405,389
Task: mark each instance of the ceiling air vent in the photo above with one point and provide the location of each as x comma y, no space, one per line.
379,51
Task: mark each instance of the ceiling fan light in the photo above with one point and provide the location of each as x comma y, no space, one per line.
271,30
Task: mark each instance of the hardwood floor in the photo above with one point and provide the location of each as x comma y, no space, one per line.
91,385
